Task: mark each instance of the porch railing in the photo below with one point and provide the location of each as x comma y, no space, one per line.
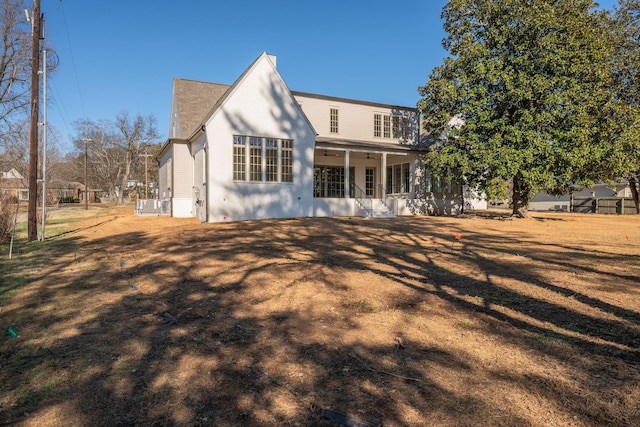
390,202
365,202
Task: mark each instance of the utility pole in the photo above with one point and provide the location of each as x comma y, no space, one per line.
146,174
32,221
44,141
86,195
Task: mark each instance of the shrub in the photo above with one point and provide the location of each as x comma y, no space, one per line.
69,200
7,213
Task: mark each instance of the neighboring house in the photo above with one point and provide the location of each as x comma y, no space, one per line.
257,150
13,184
58,189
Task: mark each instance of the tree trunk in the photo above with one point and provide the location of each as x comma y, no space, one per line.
633,184
125,176
520,197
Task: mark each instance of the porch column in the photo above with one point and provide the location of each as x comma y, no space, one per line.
383,175
347,184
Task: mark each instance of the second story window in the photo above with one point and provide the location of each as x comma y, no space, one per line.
400,127
255,159
260,159
333,120
387,126
272,159
381,125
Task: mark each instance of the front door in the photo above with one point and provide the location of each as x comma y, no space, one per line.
370,182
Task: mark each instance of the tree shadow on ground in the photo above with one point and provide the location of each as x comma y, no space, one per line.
257,323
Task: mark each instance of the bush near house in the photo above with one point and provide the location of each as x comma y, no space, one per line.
7,212
69,200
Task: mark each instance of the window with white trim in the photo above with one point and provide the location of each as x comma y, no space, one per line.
255,159
381,125
333,120
272,159
398,178
400,127
439,184
387,126
260,159
328,181
239,158
286,160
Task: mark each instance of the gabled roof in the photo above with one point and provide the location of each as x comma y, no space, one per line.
194,100
13,173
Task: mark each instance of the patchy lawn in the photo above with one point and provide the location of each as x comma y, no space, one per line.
336,321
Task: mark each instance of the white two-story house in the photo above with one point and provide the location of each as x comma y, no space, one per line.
256,149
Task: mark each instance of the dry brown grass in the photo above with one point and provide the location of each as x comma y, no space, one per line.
161,321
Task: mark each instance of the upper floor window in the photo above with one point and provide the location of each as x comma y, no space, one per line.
333,120
377,125
400,127
381,125
287,160
255,159
239,158
387,126
272,159
259,159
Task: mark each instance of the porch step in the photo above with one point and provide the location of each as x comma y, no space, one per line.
379,210
379,213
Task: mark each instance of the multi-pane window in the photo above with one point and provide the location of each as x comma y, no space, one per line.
400,127
328,181
427,180
239,158
377,125
287,160
255,159
381,125
406,177
260,159
398,178
438,184
387,126
333,120
271,156
442,185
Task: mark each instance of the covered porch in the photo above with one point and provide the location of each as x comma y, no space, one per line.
353,178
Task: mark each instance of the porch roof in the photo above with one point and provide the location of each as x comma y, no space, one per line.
328,143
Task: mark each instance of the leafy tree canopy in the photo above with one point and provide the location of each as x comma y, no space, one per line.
524,97
624,156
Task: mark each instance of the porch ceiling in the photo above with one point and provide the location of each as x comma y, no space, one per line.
323,143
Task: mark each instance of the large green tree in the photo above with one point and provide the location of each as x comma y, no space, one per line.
524,97
624,158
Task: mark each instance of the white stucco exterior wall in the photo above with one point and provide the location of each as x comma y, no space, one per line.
260,105
181,200
355,120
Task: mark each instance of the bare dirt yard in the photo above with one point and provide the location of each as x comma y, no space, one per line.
466,321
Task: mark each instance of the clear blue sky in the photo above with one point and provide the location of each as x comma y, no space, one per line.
122,55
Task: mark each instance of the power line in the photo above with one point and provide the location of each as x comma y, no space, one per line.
73,61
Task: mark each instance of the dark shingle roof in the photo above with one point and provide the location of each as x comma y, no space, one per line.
194,100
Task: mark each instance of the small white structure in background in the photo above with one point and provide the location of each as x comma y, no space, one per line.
256,150
566,202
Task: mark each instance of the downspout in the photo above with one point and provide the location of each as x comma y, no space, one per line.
206,174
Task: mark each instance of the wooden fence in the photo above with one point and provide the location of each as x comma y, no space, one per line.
603,205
